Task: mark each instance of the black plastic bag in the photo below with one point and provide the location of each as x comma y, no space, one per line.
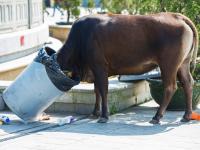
47,57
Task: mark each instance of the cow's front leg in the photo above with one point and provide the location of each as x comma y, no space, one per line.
103,89
169,89
96,112
101,83
104,114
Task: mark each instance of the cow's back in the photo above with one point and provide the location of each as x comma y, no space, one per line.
127,44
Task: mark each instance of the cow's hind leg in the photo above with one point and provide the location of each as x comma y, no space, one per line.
186,81
169,82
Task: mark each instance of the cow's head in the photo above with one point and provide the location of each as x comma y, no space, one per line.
72,65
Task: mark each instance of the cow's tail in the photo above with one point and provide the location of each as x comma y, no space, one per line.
195,41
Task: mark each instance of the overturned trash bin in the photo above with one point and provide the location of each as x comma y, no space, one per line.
37,87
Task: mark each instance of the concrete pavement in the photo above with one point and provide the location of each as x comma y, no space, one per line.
126,130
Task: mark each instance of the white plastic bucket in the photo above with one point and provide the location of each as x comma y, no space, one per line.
33,91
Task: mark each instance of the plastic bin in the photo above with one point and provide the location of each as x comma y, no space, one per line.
37,87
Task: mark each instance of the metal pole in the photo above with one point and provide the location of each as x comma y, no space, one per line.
29,13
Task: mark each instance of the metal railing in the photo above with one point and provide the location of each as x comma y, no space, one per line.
18,15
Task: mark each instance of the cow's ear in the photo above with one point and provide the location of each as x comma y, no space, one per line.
50,51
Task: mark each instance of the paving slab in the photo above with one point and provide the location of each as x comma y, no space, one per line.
17,128
129,129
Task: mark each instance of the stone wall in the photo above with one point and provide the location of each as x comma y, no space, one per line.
22,30
17,15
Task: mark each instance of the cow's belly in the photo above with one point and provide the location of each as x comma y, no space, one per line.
132,69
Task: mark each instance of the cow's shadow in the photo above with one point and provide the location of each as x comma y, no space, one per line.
127,123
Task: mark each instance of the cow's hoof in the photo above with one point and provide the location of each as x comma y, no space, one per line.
185,120
186,117
92,116
154,121
102,120
96,113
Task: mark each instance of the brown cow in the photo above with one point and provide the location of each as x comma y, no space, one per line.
126,44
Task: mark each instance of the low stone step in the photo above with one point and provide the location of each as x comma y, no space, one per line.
81,98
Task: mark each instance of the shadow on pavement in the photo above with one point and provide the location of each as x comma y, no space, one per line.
134,121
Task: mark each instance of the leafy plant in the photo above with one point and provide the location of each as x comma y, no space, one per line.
113,109
196,73
90,5
72,7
